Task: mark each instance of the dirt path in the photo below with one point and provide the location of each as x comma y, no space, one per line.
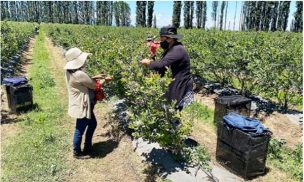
114,161
26,59
9,121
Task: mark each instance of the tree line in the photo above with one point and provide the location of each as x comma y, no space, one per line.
143,18
266,15
75,12
255,15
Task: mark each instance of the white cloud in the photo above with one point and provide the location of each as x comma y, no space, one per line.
158,16
163,20
133,19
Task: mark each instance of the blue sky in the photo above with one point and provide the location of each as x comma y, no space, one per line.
164,9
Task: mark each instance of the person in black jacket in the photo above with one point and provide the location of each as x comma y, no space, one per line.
175,57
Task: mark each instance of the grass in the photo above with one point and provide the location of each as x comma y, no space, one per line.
285,159
201,112
37,152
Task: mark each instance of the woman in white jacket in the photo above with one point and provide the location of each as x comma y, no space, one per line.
81,100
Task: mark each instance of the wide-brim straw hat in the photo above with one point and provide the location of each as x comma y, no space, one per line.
76,58
170,31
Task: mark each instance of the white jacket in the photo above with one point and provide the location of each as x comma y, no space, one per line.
78,84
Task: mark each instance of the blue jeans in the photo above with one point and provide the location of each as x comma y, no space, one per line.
81,125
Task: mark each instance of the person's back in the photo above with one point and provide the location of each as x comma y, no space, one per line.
181,64
78,84
80,107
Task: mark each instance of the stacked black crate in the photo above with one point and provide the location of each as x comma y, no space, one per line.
19,94
234,103
242,153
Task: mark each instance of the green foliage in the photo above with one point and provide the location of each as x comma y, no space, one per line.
288,160
222,14
263,15
13,36
141,13
284,8
260,63
150,13
122,13
214,12
45,80
275,148
200,112
152,116
199,156
176,16
165,180
298,15
188,14
267,64
199,13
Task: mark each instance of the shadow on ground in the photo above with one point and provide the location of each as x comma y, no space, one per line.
8,118
152,172
102,149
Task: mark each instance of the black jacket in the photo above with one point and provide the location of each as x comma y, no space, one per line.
178,60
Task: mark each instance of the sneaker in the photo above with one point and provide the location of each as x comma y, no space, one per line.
80,155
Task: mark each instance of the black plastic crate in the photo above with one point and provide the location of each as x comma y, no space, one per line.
234,103
20,98
243,153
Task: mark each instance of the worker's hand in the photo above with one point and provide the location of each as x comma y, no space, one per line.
145,62
99,76
105,79
108,78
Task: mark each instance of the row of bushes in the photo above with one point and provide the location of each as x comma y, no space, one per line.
15,37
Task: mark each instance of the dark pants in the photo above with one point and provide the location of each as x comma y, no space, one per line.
81,125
